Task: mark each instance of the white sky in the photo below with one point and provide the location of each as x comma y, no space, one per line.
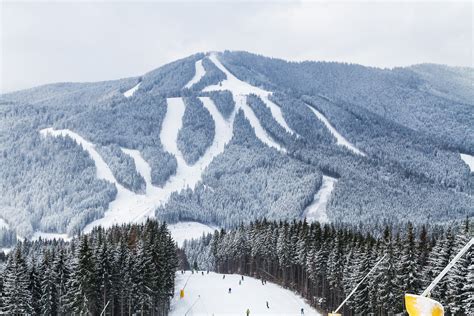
44,42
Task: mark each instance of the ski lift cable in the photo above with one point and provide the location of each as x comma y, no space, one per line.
358,284
448,267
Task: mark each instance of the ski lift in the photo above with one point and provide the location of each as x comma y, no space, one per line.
422,305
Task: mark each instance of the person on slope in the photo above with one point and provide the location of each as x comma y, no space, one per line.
302,311
268,306
248,312
230,290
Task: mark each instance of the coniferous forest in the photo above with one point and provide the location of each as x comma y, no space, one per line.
323,263
123,270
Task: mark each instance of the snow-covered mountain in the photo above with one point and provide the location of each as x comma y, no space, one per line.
225,138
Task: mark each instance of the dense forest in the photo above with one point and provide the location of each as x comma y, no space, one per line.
123,270
323,263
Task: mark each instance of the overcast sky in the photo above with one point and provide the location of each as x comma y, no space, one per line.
53,42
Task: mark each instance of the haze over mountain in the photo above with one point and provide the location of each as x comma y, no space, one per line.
231,137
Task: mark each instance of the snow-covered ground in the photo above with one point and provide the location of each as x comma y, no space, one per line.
340,140
3,224
50,236
469,160
189,230
198,74
208,295
316,211
131,91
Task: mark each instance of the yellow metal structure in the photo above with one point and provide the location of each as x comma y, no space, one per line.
334,314
181,294
417,305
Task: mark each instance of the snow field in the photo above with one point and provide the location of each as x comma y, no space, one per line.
199,73
189,230
469,160
131,91
208,295
316,211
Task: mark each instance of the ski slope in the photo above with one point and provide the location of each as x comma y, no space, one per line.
208,295
130,92
340,140
316,211
198,74
129,207
189,230
240,89
469,160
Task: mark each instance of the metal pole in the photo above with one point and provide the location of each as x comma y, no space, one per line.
449,266
103,311
363,279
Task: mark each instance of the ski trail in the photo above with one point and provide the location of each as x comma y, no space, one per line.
199,73
240,89
172,123
469,161
207,295
277,114
340,140
316,211
142,167
255,123
103,170
130,92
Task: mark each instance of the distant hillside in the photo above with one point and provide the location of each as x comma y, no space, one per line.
228,138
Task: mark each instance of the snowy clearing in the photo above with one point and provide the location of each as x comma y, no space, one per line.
130,92
340,140
316,211
199,73
469,160
50,236
189,230
3,224
208,295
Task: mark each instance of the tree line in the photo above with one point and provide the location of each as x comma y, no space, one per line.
324,263
123,270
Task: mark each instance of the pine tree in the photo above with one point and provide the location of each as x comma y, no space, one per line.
35,286
61,273
17,295
48,286
83,284
408,269
457,276
361,296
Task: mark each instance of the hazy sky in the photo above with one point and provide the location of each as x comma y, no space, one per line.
45,42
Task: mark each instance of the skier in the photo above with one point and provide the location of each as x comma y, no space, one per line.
248,312
262,281
223,277
202,272
242,278
207,271
240,282
268,306
302,311
230,290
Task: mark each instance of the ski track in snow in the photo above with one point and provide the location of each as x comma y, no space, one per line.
469,160
130,92
199,73
189,230
340,140
316,211
240,89
208,295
